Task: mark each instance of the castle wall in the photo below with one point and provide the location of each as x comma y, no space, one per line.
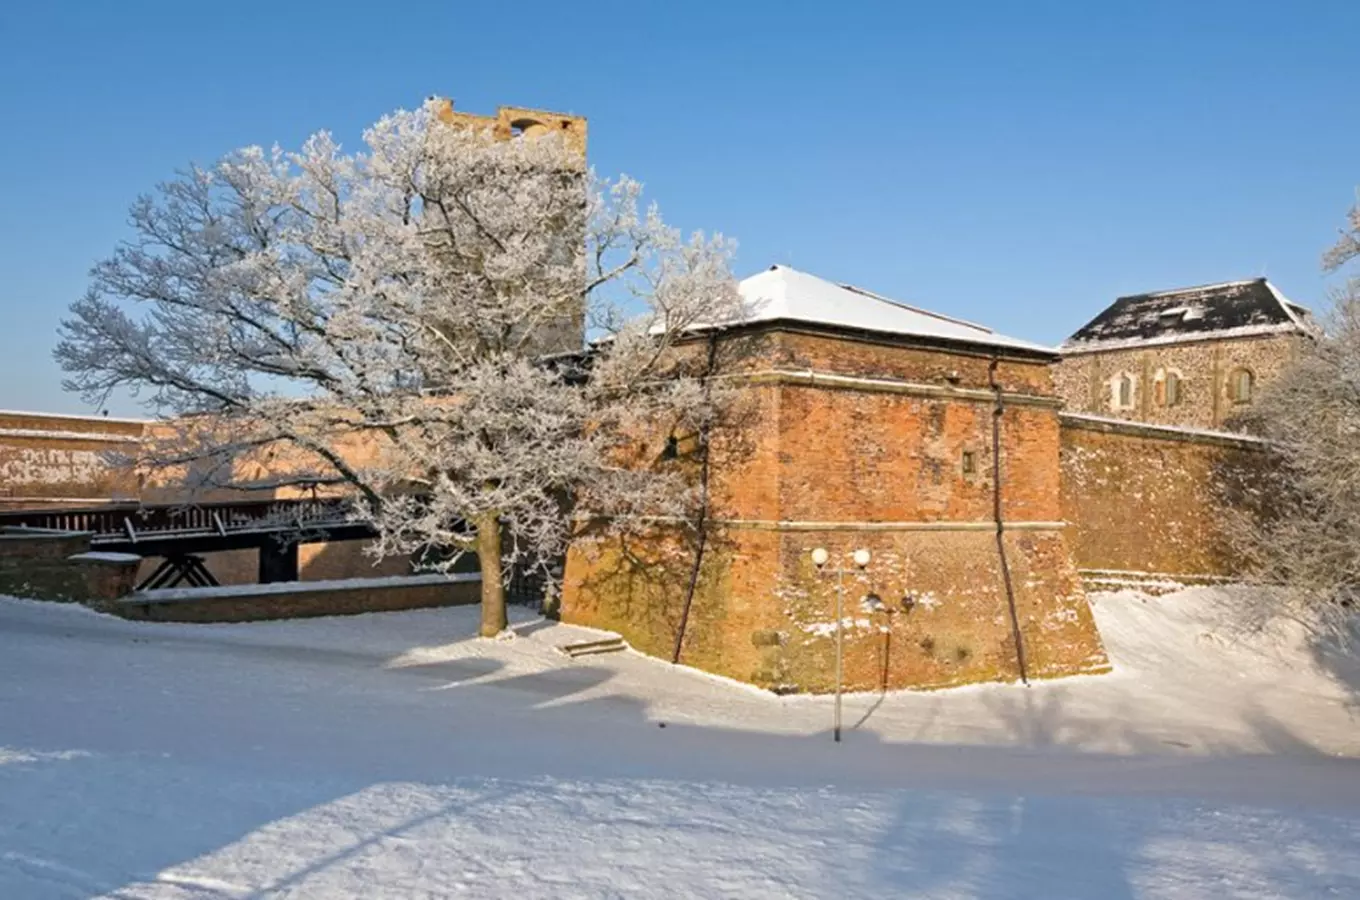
858,444
1153,501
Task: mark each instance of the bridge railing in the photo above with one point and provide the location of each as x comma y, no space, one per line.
160,518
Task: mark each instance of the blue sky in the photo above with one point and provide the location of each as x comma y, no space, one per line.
1014,163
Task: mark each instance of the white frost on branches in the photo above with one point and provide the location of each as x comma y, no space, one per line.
1304,530
408,323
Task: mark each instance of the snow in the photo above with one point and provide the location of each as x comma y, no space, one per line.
28,532
394,755
177,594
1305,321
1202,288
1171,429
29,414
101,436
782,293
1074,348
105,556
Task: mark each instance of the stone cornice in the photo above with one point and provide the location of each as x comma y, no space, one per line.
809,378
958,347
1106,425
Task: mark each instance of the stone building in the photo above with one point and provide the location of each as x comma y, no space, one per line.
1193,357
48,459
930,441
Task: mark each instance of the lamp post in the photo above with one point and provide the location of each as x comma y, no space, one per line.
820,557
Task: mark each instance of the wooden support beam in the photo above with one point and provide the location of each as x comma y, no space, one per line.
278,562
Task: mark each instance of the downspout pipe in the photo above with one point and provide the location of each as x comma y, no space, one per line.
701,520
998,410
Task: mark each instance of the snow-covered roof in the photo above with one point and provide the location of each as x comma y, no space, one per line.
1229,309
784,294
106,437
30,414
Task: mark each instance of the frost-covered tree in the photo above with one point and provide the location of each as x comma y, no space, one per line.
407,325
1303,528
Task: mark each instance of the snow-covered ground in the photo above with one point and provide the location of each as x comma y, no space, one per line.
394,756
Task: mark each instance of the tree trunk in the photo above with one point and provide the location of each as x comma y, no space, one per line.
494,619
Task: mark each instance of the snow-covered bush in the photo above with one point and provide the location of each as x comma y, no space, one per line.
1303,531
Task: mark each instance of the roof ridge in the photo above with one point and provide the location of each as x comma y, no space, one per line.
1286,304
916,309
1195,287
1093,345
781,292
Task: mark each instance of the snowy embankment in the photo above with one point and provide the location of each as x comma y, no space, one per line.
395,756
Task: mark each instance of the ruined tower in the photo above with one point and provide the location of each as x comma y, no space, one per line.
564,330
511,121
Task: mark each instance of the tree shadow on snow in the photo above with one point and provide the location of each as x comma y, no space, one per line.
1341,660
142,749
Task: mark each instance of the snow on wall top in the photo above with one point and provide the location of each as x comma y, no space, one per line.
180,594
1230,309
44,434
30,414
784,294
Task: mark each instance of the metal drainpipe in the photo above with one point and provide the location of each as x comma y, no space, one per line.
998,410
701,522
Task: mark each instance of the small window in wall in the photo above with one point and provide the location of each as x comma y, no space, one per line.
1124,389
1172,391
969,462
672,448
1240,385
527,126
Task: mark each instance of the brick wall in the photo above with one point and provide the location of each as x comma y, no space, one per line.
1152,500
47,459
852,444
299,599
321,561
763,614
56,565
1084,380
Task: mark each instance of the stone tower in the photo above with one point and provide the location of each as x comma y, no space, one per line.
564,333
510,121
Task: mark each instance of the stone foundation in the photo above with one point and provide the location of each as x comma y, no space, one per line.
763,613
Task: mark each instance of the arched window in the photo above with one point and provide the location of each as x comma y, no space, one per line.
1124,392
527,126
1240,385
1171,389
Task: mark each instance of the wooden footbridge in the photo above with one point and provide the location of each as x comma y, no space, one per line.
178,533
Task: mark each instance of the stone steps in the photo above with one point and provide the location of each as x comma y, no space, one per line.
593,648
